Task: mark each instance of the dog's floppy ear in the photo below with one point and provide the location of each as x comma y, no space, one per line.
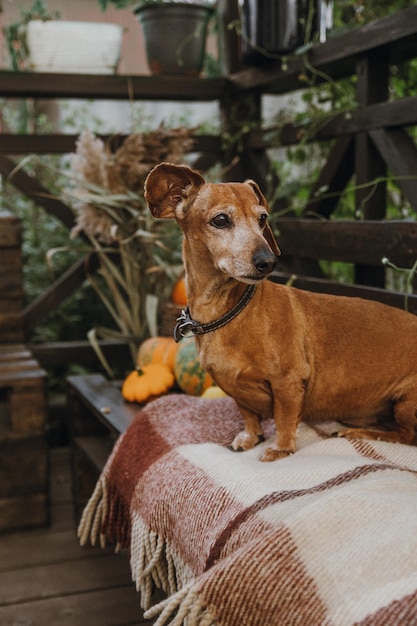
168,186
268,234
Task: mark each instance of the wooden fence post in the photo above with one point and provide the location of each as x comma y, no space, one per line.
372,87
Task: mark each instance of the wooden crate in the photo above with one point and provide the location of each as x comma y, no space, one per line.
23,481
11,279
24,382
23,447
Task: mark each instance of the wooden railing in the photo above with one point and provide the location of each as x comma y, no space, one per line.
370,143
367,144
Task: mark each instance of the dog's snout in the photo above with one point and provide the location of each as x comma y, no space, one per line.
264,261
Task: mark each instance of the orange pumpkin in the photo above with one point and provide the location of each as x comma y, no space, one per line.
157,350
147,383
191,377
179,294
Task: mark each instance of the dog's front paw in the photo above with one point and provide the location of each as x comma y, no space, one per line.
272,454
245,441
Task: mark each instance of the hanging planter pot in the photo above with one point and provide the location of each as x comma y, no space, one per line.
175,35
278,27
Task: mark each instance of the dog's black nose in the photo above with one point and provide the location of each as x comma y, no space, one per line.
264,261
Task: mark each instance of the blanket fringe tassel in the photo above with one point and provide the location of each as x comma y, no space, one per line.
152,564
93,516
185,607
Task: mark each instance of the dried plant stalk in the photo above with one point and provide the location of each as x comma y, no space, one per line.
136,252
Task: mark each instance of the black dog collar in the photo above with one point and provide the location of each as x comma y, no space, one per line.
185,323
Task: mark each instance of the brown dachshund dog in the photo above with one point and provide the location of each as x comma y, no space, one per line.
278,351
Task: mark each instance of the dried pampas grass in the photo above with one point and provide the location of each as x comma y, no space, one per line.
139,256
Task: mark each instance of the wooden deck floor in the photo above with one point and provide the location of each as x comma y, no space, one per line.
47,579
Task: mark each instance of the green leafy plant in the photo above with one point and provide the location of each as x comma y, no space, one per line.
15,33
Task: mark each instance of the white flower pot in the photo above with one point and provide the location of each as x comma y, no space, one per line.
73,47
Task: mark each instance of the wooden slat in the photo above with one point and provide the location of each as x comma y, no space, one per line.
19,550
18,365
96,449
101,608
50,353
10,230
349,241
23,378
13,349
34,190
104,400
23,467
382,115
395,33
46,578
109,87
23,512
56,579
59,143
400,153
13,353
318,285
334,177
60,289
11,327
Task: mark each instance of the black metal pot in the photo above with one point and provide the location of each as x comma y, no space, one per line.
276,27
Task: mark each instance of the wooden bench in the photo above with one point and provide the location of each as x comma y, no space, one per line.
97,414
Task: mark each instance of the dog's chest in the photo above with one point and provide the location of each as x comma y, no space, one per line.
236,373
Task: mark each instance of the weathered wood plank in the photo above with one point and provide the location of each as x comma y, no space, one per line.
89,454
11,328
382,115
400,153
60,289
18,365
50,353
14,352
10,230
104,400
34,190
47,578
109,87
334,177
10,258
59,143
23,512
318,285
337,57
64,578
28,407
101,607
370,202
23,466
349,241
11,282
45,545
22,378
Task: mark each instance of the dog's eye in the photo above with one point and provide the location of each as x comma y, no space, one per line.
220,221
262,220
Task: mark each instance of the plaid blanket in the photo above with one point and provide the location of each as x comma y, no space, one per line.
327,536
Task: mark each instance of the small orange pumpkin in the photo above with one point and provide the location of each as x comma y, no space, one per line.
157,350
190,375
179,294
147,382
